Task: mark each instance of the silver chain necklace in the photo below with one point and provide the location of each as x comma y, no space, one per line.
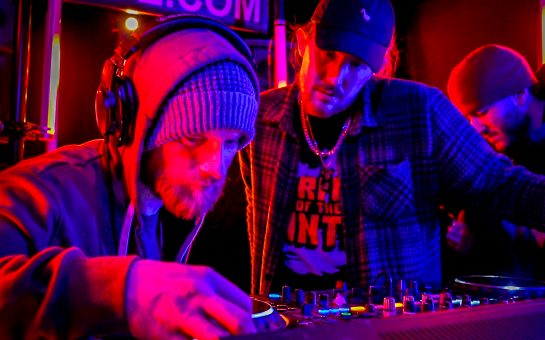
326,156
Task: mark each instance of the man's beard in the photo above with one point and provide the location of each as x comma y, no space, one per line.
185,200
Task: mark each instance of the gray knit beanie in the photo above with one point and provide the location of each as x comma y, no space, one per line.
217,96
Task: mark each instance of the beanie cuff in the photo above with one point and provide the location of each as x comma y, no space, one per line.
218,96
217,110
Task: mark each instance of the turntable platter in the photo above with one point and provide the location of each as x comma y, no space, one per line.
500,286
265,317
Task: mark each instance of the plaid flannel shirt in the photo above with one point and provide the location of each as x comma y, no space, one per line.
408,151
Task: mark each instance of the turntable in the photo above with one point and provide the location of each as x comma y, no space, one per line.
267,318
499,287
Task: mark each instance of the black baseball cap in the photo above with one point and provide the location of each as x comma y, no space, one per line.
363,28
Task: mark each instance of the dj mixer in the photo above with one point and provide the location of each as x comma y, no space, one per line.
475,307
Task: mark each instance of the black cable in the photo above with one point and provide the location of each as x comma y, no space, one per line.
111,194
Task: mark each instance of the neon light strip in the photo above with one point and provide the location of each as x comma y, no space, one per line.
262,314
280,55
54,84
542,32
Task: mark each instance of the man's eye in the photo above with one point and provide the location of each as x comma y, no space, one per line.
193,141
356,64
480,113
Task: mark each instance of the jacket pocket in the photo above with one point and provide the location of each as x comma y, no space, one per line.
387,190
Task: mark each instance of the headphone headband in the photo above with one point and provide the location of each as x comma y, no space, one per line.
116,102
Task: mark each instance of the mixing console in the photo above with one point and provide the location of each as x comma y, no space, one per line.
474,307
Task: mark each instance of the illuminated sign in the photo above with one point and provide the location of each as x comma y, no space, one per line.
251,15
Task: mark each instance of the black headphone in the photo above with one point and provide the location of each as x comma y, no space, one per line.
116,100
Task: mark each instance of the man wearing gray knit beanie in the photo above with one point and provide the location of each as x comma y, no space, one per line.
218,97
87,236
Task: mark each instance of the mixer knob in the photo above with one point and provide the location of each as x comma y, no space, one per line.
299,297
401,289
375,294
286,294
427,303
445,300
466,300
389,306
311,298
324,301
408,304
371,308
306,309
412,289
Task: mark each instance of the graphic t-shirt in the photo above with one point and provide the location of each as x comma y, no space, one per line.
314,255
314,242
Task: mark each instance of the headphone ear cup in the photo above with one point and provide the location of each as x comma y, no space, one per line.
101,112
105,101
127,107
116,101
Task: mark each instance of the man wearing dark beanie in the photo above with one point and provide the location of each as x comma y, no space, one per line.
497,91
84,250
495,88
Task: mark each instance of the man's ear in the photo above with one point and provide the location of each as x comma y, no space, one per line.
302,41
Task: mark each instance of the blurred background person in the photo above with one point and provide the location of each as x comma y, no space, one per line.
497,91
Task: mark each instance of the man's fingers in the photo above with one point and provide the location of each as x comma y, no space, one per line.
231,316
189,320
190,301
231,292
200,326
221,304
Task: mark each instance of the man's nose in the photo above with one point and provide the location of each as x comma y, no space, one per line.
212,162
479,125
339,72
335,70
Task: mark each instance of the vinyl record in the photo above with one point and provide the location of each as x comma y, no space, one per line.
499,286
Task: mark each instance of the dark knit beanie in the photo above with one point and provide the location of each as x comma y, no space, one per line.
218,96
486,75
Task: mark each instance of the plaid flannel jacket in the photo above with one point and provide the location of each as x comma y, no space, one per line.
408,151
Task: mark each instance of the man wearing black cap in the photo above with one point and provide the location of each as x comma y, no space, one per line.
497,91
348,168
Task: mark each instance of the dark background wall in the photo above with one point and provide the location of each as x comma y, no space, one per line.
432,36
